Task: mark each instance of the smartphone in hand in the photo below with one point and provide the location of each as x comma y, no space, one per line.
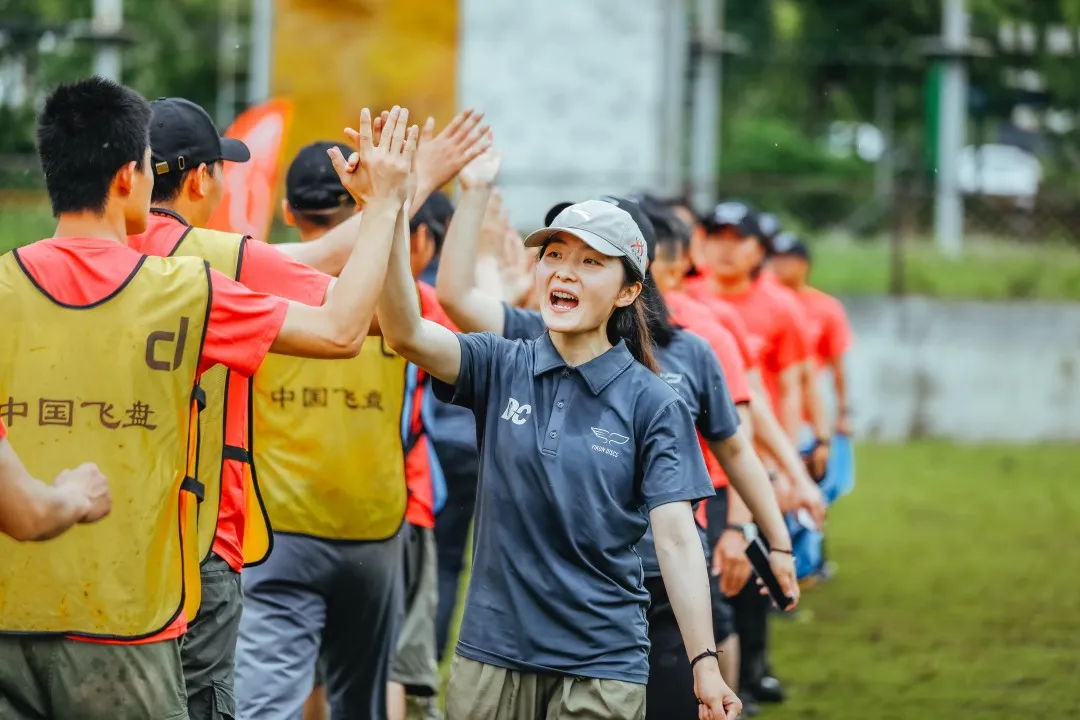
759,561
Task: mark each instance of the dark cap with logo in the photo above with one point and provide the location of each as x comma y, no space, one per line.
311,183
733,214
632,208
182,136
791,245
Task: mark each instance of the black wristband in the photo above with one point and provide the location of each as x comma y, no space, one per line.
702,656
825,441
782,551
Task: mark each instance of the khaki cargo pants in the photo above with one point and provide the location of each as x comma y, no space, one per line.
56,678
485,692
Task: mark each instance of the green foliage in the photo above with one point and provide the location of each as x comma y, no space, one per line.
772,145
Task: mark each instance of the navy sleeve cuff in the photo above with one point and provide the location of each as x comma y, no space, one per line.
690,496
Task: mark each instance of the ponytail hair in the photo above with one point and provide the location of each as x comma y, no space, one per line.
631,324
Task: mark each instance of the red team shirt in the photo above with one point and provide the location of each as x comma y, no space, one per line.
420,510
776,324
242,325
719,311
264,270
829,331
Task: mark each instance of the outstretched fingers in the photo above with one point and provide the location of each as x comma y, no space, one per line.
401,129
389,128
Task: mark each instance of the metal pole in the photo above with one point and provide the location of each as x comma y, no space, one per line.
705,150
883,117
949,209
228,40
262,30
108,20
673,113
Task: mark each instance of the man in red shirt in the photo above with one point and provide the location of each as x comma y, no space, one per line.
93,139
357,654
830,333
33,510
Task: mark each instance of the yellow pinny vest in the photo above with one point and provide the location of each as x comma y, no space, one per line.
113,383
224,252
328,440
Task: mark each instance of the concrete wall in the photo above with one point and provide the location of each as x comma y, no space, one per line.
583,95
964,371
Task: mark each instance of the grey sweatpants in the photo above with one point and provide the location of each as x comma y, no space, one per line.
346,597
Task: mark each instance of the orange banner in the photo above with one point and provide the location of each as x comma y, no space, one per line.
250,188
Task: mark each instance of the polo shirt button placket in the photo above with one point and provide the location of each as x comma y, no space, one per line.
558,413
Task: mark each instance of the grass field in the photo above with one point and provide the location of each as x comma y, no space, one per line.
958,593
989,270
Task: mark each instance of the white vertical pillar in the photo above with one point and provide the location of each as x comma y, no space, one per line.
262,39
705,150
108,20
949,208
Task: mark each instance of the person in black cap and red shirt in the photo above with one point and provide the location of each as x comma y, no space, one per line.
330,601
315,200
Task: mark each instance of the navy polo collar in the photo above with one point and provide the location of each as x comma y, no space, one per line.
598,372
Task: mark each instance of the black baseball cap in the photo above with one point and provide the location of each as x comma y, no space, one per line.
435,213
648,231
769,224
733,214
182,136
790,244
311,183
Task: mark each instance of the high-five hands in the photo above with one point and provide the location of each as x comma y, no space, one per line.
482,171
378,170
440,158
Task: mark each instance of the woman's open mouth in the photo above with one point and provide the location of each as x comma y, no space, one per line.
563,301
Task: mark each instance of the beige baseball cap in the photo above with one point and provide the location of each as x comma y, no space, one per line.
604,227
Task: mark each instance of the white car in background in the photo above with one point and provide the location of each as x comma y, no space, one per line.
1003,171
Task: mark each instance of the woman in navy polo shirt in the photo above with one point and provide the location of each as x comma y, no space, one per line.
578,437
691,367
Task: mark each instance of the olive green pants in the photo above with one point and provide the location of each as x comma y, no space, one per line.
46,678
485,692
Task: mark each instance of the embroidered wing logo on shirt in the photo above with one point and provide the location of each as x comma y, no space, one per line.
610,437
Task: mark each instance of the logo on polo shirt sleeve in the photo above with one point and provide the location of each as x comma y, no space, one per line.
516,413
608,438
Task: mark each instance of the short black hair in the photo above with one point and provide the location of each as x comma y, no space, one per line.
86,132
435,214
670,229
167,185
